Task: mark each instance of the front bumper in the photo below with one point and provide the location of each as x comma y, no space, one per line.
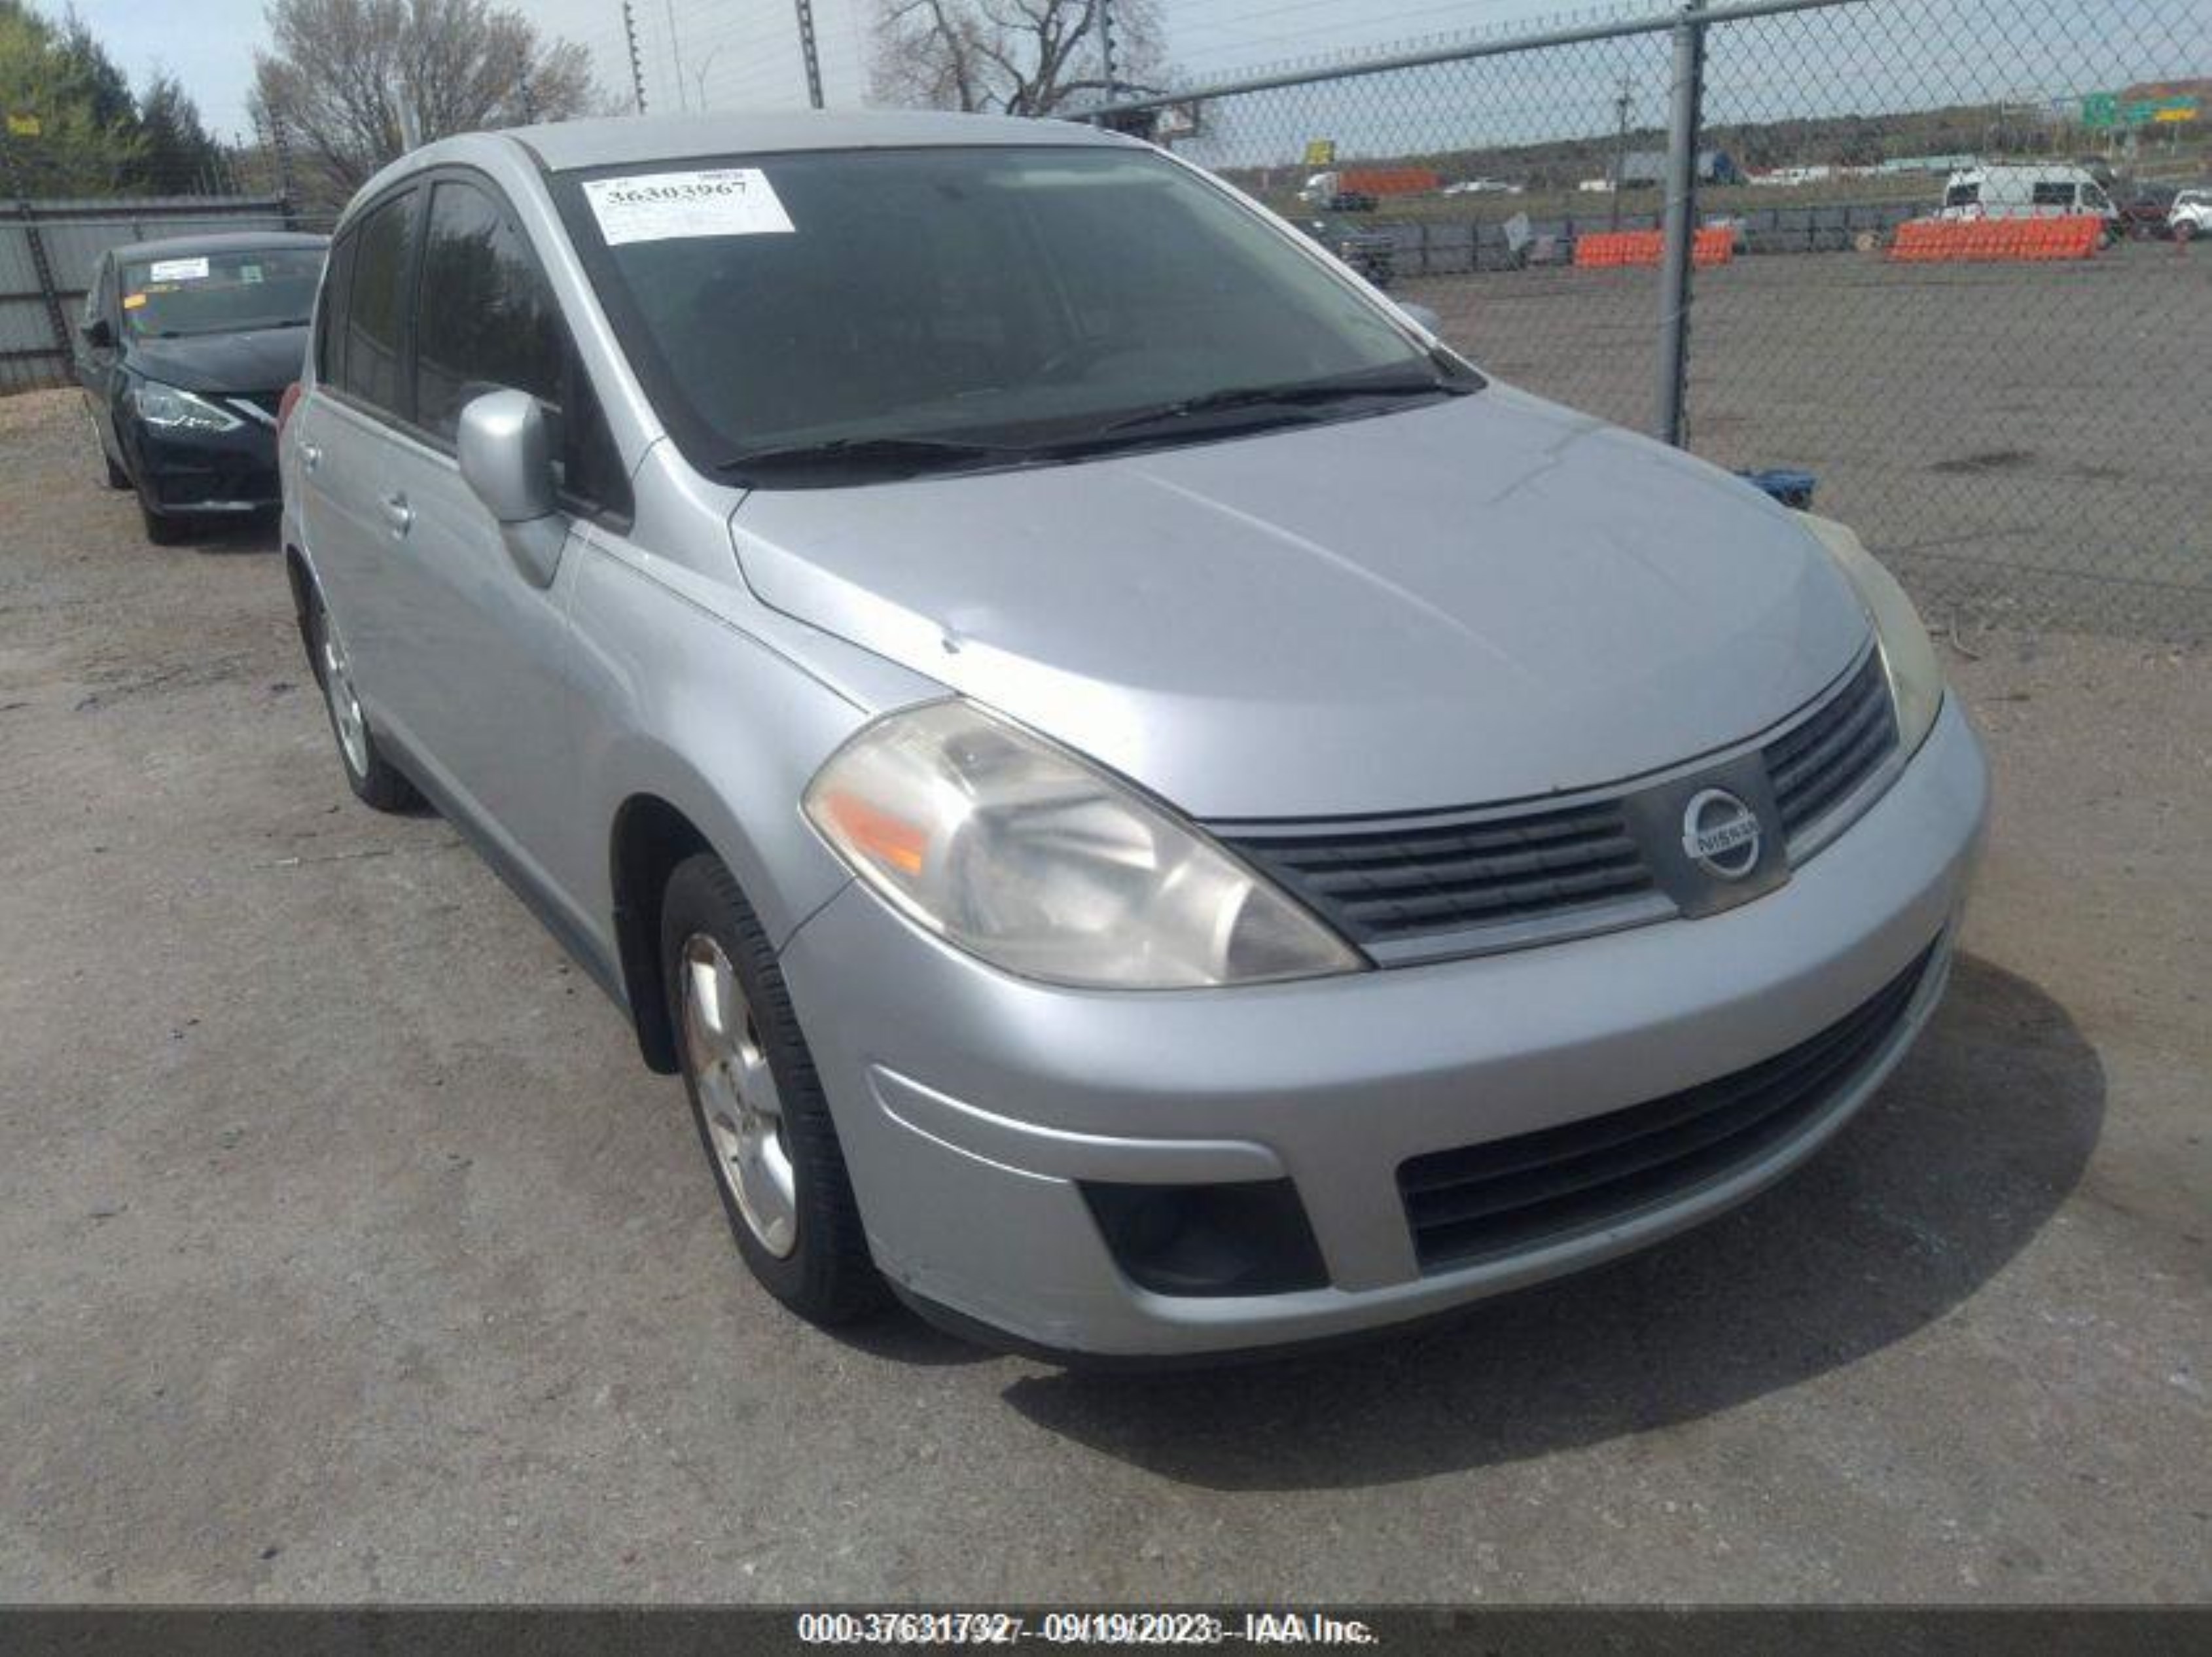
204,472
972,1106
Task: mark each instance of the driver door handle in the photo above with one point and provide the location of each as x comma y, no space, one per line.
311,455
399,513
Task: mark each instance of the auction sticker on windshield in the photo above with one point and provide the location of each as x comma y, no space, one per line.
179,269
735,201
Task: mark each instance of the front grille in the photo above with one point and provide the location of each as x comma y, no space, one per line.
1508,1195
1379,884
1815,765
1439,884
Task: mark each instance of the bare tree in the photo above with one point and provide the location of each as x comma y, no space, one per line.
1012,56
355,81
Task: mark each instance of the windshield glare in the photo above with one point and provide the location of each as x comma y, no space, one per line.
224,293
996,295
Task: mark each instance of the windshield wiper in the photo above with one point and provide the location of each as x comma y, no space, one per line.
1292,395
895,453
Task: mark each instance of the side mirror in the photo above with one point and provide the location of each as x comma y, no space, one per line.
506,458
1424,317
98,334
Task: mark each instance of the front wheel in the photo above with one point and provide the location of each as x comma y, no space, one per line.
373,778
758,1104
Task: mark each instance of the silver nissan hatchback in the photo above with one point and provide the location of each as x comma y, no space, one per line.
1156,810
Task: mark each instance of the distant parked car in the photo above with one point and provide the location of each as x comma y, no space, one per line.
1373,253
2191,215
184,350
2144,214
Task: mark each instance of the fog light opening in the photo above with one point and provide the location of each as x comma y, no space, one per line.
1248,1238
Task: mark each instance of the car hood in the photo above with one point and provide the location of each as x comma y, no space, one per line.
1484,599
264,360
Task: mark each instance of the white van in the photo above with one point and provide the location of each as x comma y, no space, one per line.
2026,191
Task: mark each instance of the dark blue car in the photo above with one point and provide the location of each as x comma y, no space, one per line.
185,351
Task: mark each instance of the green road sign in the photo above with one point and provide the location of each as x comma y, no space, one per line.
2105,109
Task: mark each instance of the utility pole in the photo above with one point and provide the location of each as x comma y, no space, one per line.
1685,116
676,52
808,54
1619,147
637,62
1106,49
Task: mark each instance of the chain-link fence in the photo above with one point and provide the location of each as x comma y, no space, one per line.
2019,422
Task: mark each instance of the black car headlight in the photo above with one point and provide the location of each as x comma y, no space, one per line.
167,409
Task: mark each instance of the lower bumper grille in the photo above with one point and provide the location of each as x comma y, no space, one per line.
1512,1194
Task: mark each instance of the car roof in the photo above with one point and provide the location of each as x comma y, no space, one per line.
629,140
218,241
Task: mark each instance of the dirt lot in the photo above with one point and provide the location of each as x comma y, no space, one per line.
350,1253
2001,431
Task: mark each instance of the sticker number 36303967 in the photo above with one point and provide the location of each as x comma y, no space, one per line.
733,201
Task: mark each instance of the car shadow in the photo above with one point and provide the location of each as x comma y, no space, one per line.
1950,1171
221,536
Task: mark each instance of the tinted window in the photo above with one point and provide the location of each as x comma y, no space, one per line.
1962,195
2052,195
329,311
374,306
486,321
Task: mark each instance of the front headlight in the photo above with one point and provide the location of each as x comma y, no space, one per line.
1020,853
1916,678
169,409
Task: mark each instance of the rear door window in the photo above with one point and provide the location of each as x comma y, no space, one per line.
330,312
374,368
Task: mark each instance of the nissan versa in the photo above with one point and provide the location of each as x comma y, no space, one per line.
186,347
1156,810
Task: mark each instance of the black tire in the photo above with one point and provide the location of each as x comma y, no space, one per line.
826,1277
2185,230
117,477
374,780
162,529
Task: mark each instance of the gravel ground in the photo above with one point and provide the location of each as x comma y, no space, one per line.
351,1254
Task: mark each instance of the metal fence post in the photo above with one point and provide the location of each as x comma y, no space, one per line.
809,57
286,192
41,266
636,64
1683,124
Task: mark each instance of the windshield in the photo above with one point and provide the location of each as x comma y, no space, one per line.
947,305
225,293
